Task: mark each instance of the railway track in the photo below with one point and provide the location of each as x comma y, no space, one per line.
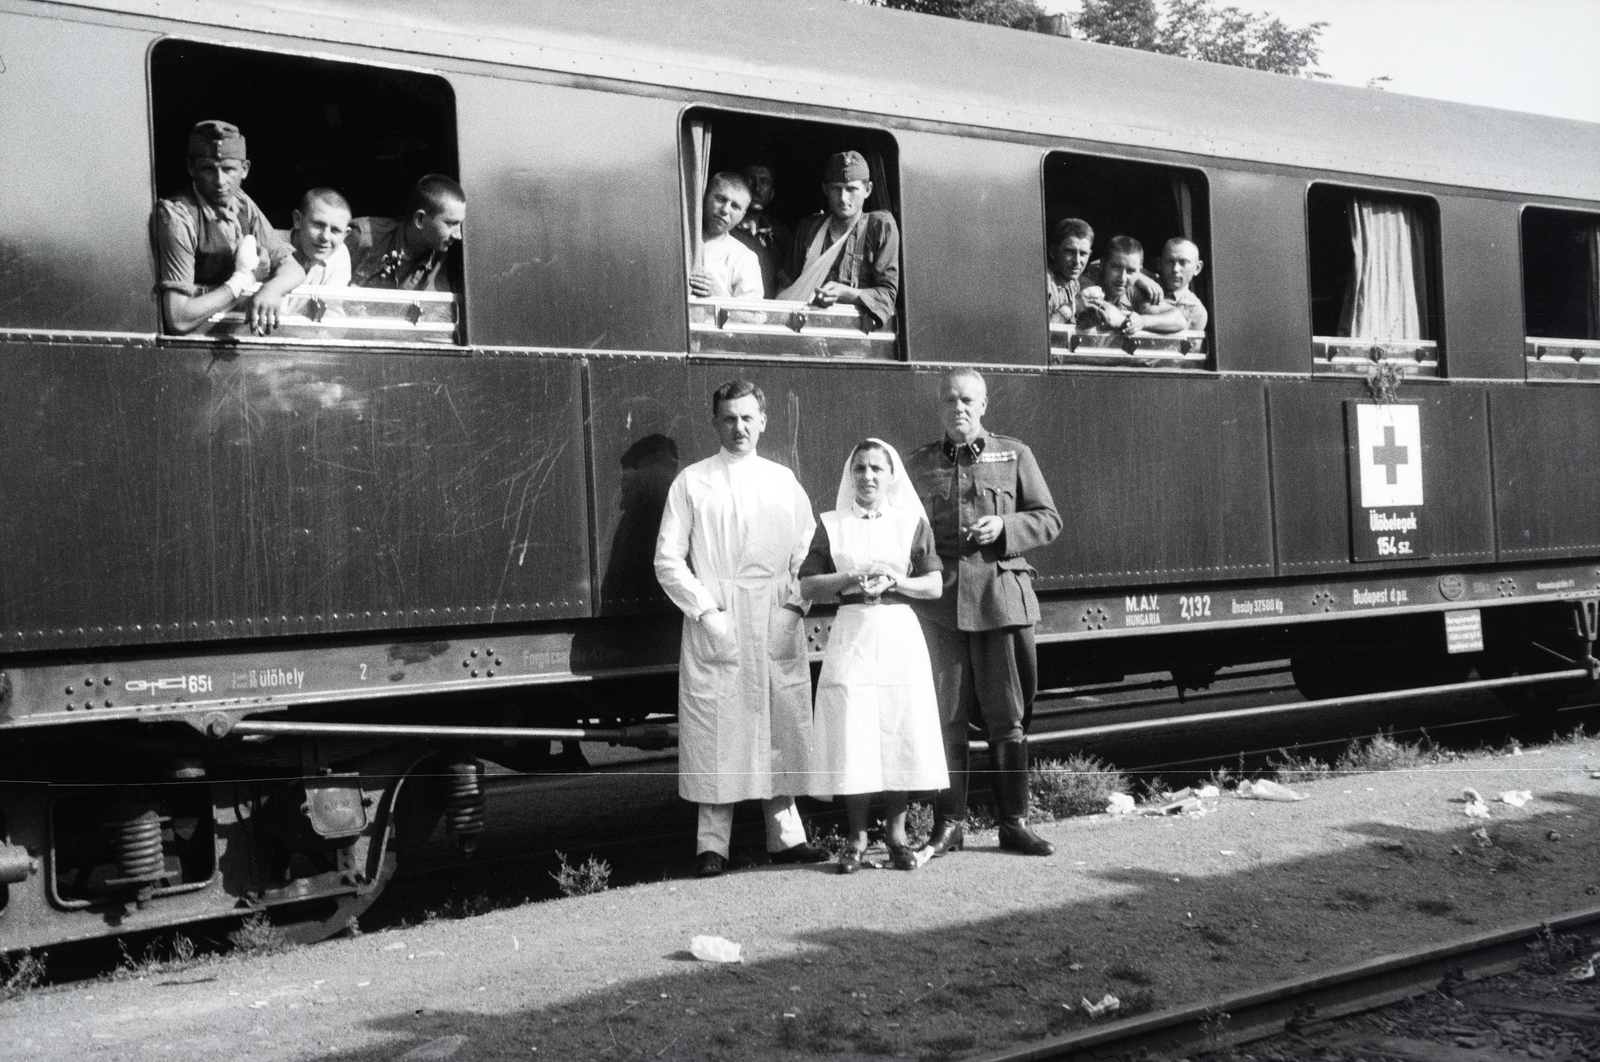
1295,1008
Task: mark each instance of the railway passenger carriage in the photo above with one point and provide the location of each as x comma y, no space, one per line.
236,570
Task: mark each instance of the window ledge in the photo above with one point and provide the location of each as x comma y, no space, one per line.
1353,356
351,315
1562,359
772,328
1070,345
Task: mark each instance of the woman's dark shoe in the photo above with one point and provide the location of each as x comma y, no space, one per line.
849,861
901,856
950,804
948,837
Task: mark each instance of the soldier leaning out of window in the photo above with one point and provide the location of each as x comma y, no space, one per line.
412,252
212,241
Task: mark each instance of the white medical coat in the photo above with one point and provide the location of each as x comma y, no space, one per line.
732,537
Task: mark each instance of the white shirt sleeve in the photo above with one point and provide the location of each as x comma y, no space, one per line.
745,277
338,271
672,554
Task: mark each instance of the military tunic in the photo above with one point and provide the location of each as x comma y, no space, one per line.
980,631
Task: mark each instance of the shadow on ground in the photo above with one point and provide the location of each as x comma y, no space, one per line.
1152,938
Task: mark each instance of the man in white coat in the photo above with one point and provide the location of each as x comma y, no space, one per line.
735,529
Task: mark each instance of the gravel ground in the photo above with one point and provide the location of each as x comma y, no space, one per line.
971,954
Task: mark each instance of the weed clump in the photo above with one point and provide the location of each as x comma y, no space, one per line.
589,877
257,935
1078,785
21,974
1553,952
1290,769
1381,752
919,823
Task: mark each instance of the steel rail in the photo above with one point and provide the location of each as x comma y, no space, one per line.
1289,1006
1079,733
645,736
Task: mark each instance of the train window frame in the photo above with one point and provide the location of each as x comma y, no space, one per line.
377,319
1335,354
1071,346
773,329
1557,354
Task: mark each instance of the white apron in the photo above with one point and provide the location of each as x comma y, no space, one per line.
732,537
877,720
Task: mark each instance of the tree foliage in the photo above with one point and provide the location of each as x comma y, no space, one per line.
1194,29
1191,29
1017,14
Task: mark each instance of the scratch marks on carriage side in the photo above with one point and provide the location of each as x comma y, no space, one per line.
527,494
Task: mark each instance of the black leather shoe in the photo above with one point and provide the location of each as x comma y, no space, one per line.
901,857
1011,800
804,852
849,861
709,865
948,837
1016,837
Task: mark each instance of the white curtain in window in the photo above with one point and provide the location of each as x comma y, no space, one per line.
1388,295
696,172
1594,281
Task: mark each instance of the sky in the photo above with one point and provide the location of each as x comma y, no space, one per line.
1526,55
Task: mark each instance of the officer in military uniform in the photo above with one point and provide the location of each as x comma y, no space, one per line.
988,504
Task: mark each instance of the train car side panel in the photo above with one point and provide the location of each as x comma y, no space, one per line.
1482,311
188,496
964,199
1258,272
551,170
63,266
1158,479
1312,482
1547,492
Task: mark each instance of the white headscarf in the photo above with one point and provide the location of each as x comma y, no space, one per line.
900,494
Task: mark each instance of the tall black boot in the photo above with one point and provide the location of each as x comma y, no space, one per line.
1011,799
950,805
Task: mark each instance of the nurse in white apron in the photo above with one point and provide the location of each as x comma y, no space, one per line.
876,728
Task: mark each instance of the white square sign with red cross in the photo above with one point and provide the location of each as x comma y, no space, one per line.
1387,518
1389,447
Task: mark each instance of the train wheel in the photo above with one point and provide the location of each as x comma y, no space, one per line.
314,920
1322,676
1536,706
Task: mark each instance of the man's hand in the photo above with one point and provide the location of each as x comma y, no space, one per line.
717,624
261,310
1110,316
987,530
702,285
834,292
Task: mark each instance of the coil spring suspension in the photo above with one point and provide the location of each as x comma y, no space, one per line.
463,803
136,843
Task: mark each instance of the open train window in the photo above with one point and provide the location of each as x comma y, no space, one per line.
1374,273
1561,292
368,134
777,265
1103,216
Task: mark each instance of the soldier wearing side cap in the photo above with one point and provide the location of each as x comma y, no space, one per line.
847,254
212,241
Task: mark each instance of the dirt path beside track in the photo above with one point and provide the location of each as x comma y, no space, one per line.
973,952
